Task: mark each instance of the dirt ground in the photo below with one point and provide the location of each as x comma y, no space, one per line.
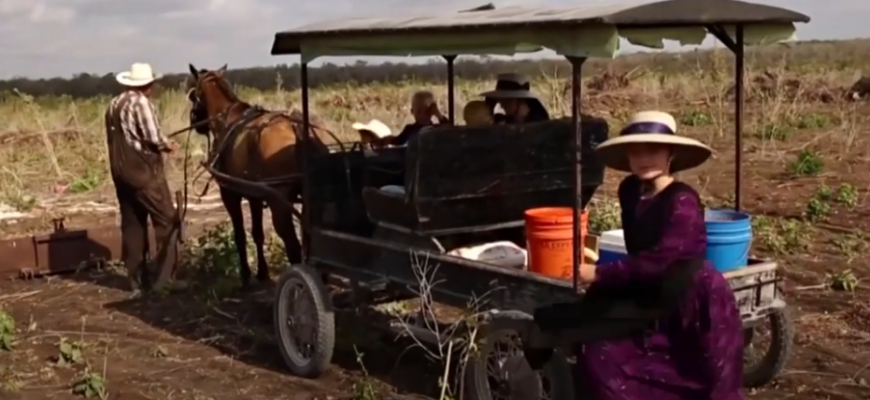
191,345
832,328
172,348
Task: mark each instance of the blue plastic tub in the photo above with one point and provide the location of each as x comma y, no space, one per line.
606,256
611,247
729,237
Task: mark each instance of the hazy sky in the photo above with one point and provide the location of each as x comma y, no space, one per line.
47,38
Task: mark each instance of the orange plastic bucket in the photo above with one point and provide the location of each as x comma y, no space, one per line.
549,235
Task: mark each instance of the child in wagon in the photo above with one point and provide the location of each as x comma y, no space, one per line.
477,113
662,324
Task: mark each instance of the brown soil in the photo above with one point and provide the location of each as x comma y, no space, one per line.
179,347
172,349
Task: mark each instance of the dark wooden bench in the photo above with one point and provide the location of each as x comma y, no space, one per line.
336,183
463,179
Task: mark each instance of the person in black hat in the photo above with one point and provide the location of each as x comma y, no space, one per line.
521,105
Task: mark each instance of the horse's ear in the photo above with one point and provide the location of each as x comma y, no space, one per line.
222,70
193,71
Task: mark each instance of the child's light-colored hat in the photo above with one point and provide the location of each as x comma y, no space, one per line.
653,127
378,128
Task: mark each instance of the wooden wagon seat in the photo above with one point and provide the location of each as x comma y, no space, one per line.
461,178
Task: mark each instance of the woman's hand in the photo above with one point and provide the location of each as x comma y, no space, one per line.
587,273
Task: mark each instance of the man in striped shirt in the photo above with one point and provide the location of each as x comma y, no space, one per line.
136,147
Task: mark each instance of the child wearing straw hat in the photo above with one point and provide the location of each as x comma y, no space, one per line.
374,133
662,324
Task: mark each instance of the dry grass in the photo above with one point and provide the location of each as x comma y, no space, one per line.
56,143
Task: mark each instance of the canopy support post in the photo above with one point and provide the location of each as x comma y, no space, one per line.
737,46
576,158
306,182
303,83
451,89
739,71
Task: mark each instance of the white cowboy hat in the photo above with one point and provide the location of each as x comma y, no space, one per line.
374,126
140,74
511,86
653,127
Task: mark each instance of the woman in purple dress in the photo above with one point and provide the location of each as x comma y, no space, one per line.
661,324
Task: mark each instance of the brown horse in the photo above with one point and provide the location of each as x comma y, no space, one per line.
252,144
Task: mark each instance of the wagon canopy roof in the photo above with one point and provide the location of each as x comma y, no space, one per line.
585,31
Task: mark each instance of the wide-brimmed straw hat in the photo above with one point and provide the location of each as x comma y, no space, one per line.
378,128
653,127
140,74
514,86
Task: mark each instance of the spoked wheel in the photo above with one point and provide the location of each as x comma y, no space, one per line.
766,348
500,372
304,322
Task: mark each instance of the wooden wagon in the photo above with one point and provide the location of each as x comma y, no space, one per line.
465,184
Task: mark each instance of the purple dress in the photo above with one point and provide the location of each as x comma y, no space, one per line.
698,355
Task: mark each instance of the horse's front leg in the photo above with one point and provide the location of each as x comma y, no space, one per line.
233,204
259,238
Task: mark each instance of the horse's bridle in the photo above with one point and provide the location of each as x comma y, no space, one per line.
203,125
198,111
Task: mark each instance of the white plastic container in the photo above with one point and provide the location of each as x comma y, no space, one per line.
394,189
504,254
611,246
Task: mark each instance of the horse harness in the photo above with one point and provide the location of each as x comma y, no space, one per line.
233,131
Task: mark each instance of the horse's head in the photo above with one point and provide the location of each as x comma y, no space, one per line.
201,86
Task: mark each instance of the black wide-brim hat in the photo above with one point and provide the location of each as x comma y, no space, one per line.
514,86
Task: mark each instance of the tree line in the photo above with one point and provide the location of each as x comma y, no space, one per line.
285,76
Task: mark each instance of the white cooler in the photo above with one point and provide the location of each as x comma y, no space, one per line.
611,246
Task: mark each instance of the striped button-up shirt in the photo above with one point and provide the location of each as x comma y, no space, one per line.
139,122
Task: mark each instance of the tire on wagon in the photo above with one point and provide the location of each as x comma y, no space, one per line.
777,353
499,370
304,321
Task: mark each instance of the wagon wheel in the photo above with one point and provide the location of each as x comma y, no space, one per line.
304,322
499,371
760,369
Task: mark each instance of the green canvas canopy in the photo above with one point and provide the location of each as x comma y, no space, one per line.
583,31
